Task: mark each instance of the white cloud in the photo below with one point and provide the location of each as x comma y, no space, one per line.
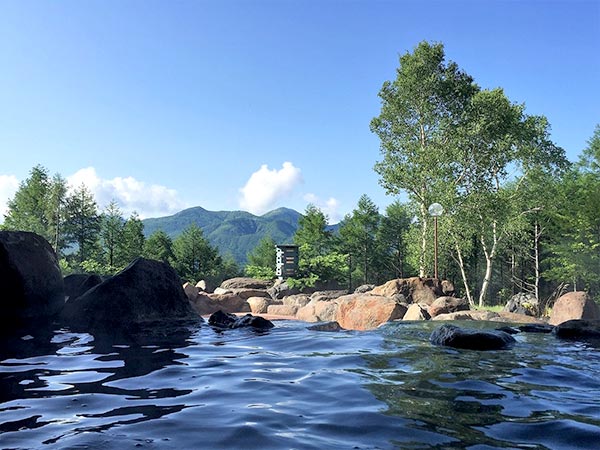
330,207
266,187
8,186
132,195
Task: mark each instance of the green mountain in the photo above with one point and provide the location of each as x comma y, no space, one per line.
232,232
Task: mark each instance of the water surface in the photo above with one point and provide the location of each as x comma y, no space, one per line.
292,388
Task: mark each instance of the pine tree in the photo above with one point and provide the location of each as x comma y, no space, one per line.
83,223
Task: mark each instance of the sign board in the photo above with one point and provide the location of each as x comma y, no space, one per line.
287,261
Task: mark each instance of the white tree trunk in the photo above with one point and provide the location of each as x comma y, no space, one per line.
537,260
422,271
489,261
463,274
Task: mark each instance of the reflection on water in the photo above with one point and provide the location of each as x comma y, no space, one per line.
191,387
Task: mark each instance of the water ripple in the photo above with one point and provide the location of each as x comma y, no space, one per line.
292,388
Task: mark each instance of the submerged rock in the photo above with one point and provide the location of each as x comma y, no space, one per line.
326,326
223,320
536,328
30,279
453,336
145,291
578,329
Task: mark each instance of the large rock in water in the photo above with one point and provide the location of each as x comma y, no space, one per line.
31,284
366,311
145,291
453,336
578,329
572,306
223,320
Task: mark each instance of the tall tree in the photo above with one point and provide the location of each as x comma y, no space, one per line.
27,209
83,222
55,212
132,244
576,242
159,246
318,259
312,234
392,238
111,234
420,110
195,258
262,259
497,143
358,233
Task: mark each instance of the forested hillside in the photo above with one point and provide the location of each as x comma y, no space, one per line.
232,232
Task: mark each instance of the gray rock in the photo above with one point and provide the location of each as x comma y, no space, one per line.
453,336
32,285
522,303
246,283
364,288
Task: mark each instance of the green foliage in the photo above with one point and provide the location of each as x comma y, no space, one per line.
322,268
358,233
111,233
262,260
132,243
264,254
392,240
38,206
195,258
159,246
83,223
312,234
232,232
420,112
259,272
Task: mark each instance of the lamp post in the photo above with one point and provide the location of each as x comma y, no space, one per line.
435,210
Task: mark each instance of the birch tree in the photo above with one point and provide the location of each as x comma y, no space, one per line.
419,111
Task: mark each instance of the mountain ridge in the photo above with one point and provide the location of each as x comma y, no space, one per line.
232,232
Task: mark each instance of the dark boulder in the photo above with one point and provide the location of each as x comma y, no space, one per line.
223,320
30,279
578,329
78,284
145,291
453,336
326,326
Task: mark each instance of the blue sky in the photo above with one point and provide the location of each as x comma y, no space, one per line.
254,104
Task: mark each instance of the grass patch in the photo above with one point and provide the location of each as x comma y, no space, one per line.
494,308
